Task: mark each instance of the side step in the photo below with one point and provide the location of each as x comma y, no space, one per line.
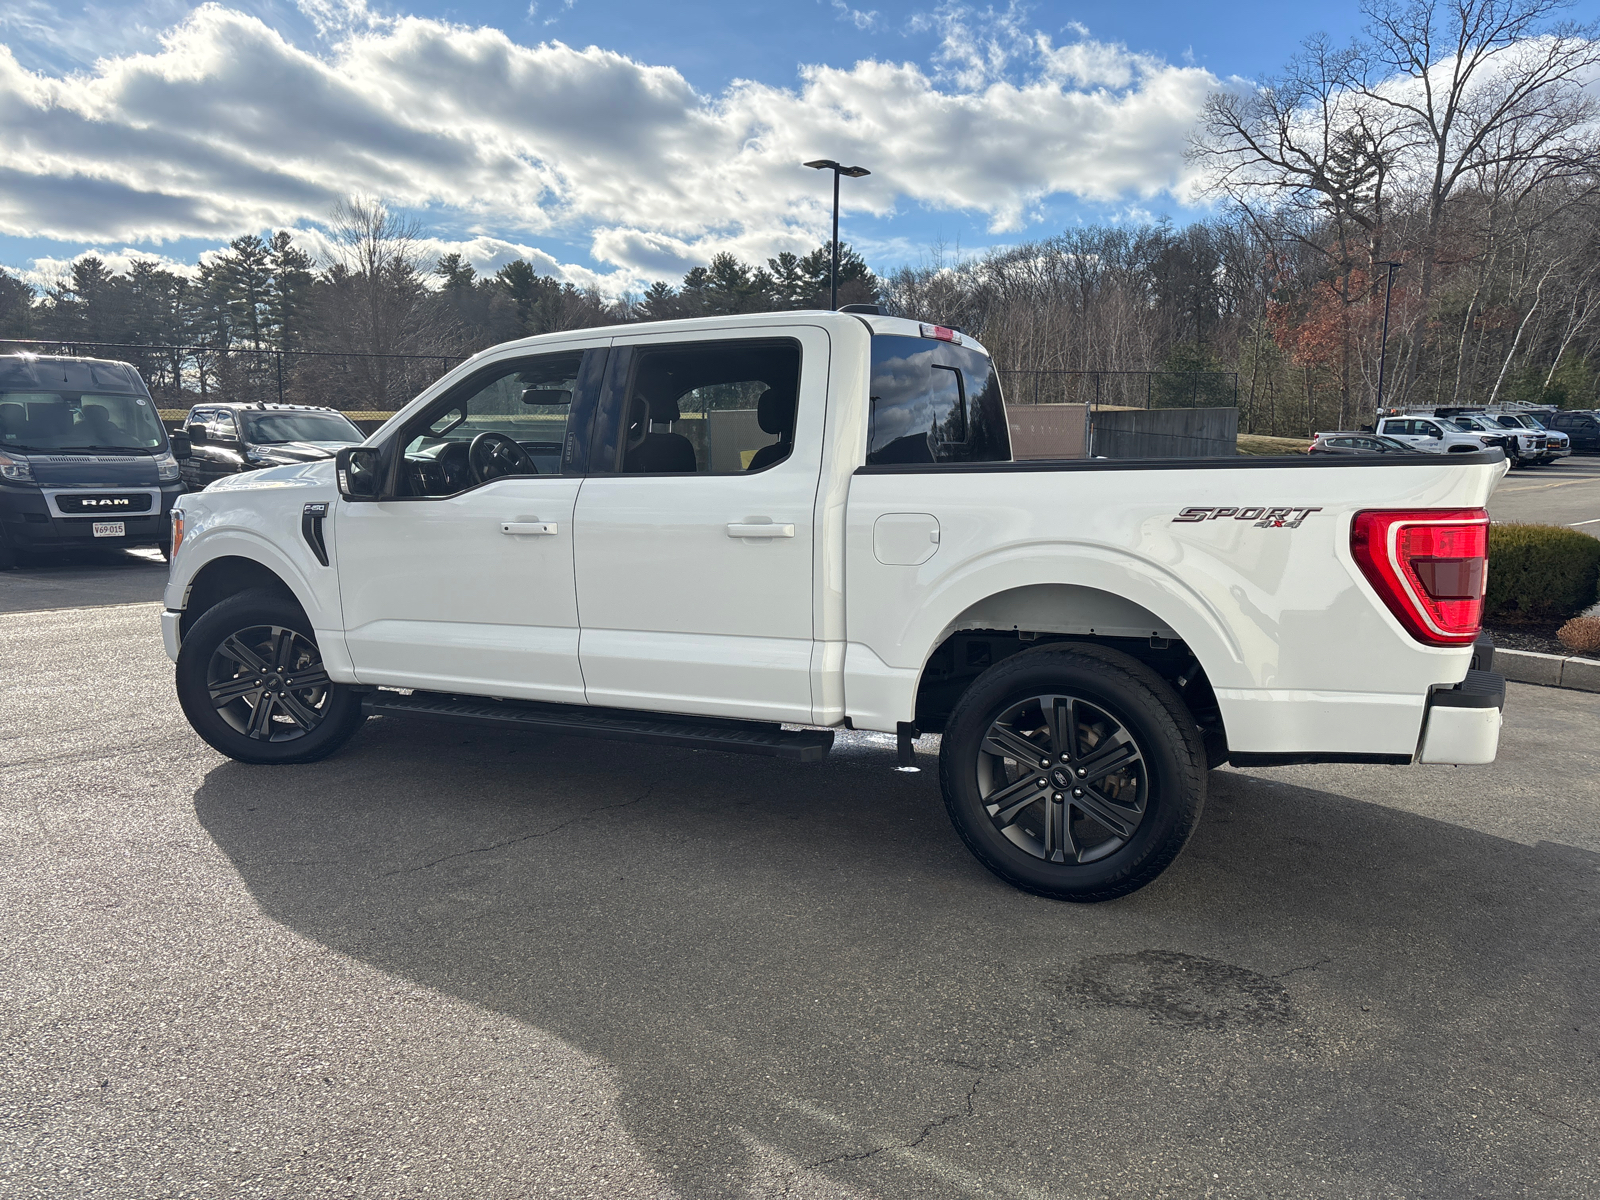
692,733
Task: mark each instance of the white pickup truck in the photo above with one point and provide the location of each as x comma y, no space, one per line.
743,533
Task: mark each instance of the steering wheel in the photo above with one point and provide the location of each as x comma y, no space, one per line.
492,455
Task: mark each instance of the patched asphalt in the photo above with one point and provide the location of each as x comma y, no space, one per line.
473,964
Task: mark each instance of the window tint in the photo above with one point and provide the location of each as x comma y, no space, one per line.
522,405
934,402
709,408
301,427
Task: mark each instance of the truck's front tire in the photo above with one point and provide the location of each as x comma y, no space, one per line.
1075,773
251,682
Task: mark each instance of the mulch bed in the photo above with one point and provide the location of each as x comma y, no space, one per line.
1536,637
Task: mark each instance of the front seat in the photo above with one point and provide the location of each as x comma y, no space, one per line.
775,412
656,453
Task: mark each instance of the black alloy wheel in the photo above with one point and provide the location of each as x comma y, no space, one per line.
1073,771
252,683
267,682
1063,779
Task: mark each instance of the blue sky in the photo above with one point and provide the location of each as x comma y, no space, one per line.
609,142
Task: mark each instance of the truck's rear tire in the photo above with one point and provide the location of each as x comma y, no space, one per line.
1075,773
251,682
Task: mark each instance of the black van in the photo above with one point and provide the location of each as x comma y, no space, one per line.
84,458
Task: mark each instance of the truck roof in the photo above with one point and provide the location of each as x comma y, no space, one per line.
261,406
878,324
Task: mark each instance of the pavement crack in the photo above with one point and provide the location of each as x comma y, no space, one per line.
1559,1121
891,1147
1321,962
526,837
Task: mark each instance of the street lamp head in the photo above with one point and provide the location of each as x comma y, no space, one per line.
827,164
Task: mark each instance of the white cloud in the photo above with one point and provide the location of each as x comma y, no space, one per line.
228,127
863,19
44,272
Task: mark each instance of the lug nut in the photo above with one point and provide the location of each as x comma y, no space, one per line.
1056,797
1040,783
1077,793
1082,771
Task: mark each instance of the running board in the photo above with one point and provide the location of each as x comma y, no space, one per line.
690,733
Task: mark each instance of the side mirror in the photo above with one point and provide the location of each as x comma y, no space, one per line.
181,449
197,435
359,470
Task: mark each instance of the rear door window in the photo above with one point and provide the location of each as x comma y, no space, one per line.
934,402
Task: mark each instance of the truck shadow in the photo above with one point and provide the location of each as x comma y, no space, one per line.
806,958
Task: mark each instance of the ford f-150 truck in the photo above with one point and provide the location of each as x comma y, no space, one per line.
743,533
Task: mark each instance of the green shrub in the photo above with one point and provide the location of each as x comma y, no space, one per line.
1540,573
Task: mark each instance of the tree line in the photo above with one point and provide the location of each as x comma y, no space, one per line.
373,320
1452,148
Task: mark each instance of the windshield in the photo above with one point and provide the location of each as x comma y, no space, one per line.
79,421
262,428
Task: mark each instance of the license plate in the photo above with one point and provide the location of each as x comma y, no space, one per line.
110,529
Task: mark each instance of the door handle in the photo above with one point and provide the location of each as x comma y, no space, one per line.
764,529
528,528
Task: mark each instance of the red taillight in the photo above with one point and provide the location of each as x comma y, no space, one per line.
1429,566
941,333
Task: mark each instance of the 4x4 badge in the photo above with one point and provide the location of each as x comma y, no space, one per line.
1262,518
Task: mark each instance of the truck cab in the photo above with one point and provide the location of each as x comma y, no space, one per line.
84,459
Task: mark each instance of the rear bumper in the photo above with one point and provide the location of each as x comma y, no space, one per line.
1463,724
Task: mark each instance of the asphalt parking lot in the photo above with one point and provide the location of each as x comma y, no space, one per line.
488,965
1565,492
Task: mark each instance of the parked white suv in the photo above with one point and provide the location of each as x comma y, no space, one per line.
1548,444
1435,435
742,533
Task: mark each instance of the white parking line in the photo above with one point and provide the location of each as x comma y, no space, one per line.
1592,521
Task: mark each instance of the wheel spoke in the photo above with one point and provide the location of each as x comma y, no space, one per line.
230,690
1120,819
1058,845
242,654
282,651
1061,715
261,716
1008,743
1105,760
1007,803
310,677
303,714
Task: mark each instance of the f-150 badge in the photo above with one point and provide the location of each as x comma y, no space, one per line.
1263,518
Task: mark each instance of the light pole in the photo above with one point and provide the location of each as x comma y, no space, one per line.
1383,346
827,164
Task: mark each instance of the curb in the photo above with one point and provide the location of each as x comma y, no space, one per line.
1551,670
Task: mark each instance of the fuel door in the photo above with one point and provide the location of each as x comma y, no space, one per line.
905,539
